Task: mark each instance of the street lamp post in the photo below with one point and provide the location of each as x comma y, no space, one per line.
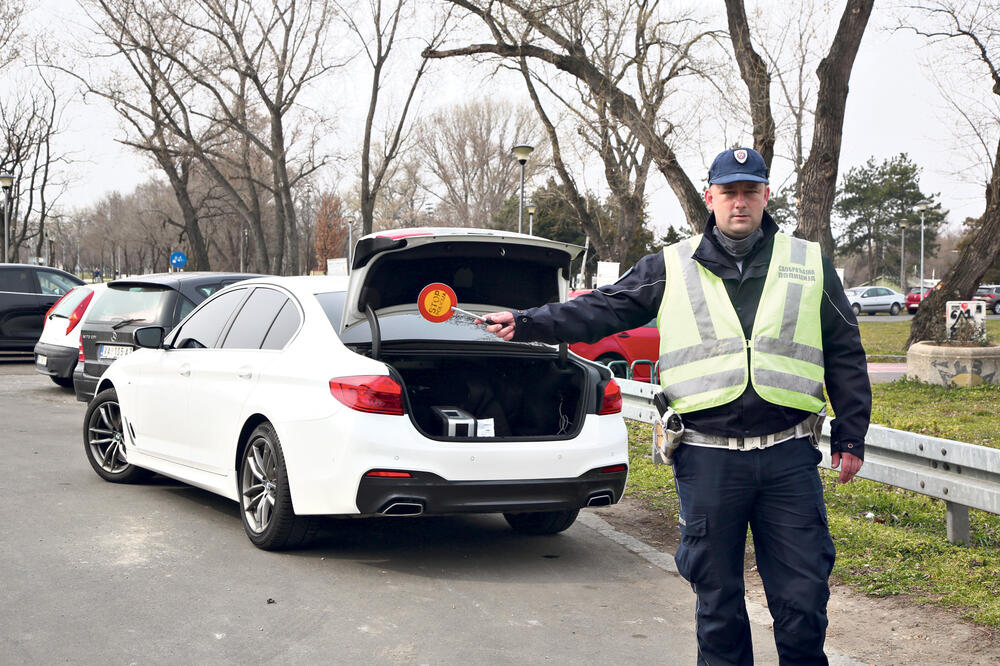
902,254
531,218
921,208
6,182
521,152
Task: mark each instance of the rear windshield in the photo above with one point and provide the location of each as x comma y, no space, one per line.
403,326
982,291
69,302
145,305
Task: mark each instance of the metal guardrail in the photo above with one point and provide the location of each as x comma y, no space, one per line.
963,475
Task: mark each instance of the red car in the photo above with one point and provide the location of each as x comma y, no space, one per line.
914,297
637,344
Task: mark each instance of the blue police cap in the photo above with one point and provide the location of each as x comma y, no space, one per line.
739,164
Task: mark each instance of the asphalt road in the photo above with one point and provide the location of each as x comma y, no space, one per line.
160,572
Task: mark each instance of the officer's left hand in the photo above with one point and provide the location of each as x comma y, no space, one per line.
851,465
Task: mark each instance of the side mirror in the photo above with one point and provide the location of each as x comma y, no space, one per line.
150,337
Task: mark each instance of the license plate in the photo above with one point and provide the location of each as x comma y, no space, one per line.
113,351
43,360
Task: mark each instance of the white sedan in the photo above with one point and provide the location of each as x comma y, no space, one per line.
307,396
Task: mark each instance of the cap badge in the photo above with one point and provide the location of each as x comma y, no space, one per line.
740,155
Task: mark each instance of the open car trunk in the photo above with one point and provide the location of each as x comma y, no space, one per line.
472,394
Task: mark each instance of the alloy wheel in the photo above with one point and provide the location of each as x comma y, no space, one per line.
106,438
259,483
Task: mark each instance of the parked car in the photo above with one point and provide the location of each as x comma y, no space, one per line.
27,292
161,299
58,349
876,299
989,294
636,344
914,298
301,396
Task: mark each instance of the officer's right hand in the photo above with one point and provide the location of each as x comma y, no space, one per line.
502,326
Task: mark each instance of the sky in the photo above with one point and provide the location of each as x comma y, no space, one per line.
893,107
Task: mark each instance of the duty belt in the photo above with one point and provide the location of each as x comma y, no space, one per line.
810,427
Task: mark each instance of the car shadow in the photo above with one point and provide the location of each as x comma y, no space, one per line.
454,547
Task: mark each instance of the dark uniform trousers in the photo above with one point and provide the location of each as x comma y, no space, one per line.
778,493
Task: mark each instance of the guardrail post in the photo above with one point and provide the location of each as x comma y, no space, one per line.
957,521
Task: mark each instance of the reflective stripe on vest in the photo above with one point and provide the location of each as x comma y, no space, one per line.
702,359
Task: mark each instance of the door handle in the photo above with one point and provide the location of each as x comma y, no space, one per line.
624,335
245,372
185,370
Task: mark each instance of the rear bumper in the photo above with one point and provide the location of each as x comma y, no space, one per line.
84,385
436,495
59,361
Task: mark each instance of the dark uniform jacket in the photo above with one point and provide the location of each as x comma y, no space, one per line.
636,297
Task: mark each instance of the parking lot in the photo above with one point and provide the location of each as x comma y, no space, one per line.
161,572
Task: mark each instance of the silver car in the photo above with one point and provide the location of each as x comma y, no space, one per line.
875,299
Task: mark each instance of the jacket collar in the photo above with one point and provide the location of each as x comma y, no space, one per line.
711,255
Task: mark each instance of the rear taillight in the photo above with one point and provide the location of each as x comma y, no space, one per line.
614,469
612,402
55,304
376,394
80,358
78,311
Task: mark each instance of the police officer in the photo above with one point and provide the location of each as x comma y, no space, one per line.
752,324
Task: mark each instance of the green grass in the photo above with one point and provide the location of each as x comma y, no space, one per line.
884,340
964,414
902,548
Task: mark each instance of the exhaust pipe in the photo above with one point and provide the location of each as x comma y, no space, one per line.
403,509
600,499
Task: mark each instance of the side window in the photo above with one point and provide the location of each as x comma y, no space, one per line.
54,284
254,320
187,305
869,293
283,328
204,327
16,279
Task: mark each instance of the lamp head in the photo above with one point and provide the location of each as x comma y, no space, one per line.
6,179
903,224
531,208
521,152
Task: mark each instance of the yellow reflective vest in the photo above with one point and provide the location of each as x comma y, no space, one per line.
704,359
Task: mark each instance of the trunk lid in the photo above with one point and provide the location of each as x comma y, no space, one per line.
489,270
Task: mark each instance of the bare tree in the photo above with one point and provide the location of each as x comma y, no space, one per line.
467,150
11,13
29,122
212,69
553,34
382,30
818,182
970,27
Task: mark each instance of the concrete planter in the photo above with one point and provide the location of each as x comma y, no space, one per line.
953,366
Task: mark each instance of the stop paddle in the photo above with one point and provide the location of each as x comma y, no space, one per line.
437,303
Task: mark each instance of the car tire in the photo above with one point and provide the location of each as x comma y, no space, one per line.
104,440
541,522
617,371
857,310
265,498
996,308
894,309
65,382
911,310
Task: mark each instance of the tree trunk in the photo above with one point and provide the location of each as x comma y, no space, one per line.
966,273
819,174
755,76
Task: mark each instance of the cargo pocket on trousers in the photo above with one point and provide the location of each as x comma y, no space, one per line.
693,558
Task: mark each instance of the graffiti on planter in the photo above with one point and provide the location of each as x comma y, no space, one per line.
964,372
